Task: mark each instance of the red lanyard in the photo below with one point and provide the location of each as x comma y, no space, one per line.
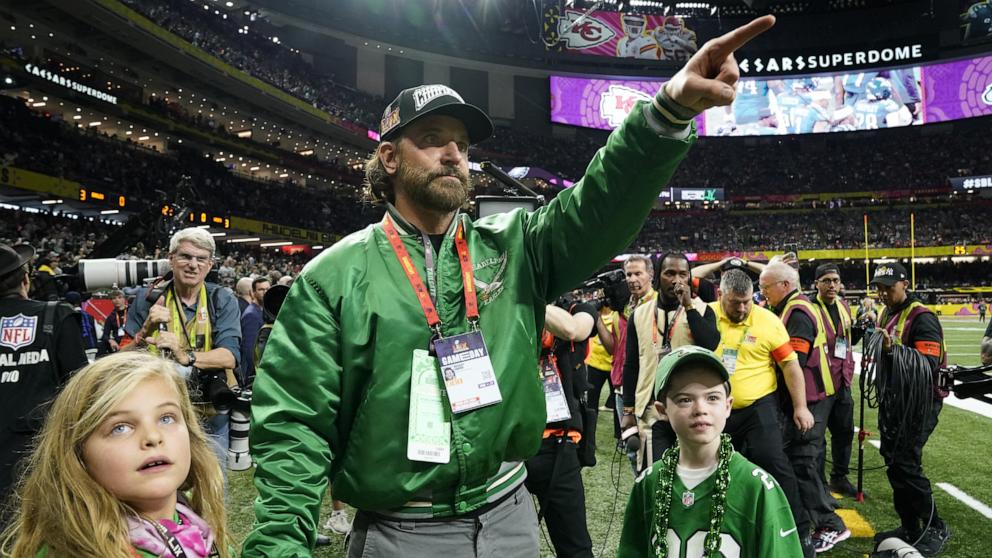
423,295
671,330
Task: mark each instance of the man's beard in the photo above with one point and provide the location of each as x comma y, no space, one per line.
422,188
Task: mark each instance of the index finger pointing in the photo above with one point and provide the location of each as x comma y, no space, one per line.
726,44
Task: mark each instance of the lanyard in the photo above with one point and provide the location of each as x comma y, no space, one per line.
423,295
173,544
671,330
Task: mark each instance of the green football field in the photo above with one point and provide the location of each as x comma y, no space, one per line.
956,459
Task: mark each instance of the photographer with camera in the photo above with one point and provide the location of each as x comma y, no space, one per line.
554,474
678,318
197,324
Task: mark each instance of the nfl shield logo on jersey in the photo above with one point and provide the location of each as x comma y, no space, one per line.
688,499
17,331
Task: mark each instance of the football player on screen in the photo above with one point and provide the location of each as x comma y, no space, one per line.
878,109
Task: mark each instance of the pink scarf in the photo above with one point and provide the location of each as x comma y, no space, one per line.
192,533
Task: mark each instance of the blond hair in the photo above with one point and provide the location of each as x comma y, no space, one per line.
62,509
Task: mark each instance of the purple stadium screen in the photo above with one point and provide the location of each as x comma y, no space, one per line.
800,104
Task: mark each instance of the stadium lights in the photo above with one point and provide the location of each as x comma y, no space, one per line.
51,202
271,244
240,240
109,212
318,247
218,234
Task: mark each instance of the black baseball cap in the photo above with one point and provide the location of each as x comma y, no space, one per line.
418,102
889,274
826,268
681,356
13,257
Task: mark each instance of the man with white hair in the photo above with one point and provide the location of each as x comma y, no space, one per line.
197,324
779,283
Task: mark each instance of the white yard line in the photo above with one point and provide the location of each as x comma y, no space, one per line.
954,491
965,499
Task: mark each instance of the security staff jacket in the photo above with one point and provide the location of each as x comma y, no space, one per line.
35,361
332,395
916,327
806,335
838,324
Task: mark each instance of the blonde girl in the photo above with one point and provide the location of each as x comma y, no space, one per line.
122,469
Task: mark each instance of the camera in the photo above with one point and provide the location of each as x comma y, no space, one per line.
238,451
616,293
210,386
108,272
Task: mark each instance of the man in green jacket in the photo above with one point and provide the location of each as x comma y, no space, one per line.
403,365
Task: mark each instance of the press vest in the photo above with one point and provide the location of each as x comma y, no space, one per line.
841,369
620,336
900,328
816,372
648,348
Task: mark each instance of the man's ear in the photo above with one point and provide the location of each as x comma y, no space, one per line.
388,155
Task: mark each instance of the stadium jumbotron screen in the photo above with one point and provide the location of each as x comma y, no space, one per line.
800,104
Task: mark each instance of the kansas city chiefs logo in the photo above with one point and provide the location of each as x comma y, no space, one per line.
587,33
617,102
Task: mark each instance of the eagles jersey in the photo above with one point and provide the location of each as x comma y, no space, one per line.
640,46
854,86
801,116
871,115
757,522
752,101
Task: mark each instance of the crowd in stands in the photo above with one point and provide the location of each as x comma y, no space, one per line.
72,239
32,141
259,56
823,228
780,165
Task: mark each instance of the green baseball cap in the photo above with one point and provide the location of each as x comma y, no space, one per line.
681,356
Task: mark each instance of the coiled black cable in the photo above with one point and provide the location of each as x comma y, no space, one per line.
901,388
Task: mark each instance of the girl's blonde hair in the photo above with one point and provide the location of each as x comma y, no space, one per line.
61,508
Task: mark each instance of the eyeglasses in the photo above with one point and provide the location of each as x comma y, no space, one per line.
182,257
764,288
830,280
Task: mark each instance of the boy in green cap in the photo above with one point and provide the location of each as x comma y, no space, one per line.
703,498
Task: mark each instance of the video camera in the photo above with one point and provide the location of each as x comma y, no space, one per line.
613,283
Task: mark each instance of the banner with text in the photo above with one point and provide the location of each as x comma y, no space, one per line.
841,102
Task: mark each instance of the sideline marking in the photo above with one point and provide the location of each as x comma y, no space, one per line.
967,500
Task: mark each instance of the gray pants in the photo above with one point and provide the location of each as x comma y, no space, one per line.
508,530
